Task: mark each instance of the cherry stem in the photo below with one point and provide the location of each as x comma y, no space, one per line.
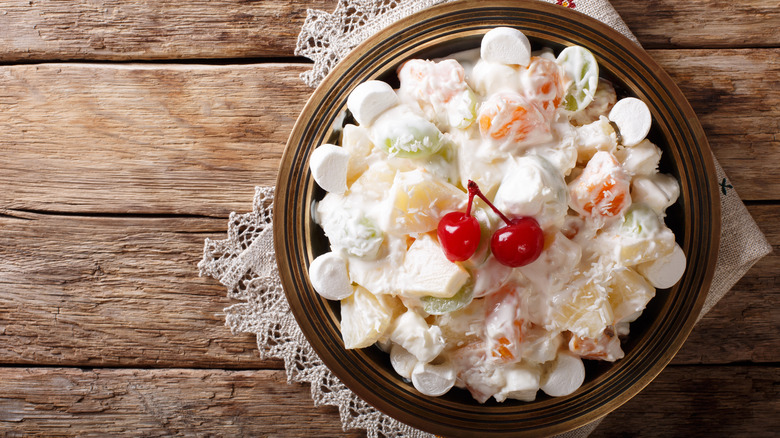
471,199
474,190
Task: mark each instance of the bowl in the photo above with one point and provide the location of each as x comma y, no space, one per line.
655,337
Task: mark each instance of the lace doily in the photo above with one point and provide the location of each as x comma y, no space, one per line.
326,38
245,263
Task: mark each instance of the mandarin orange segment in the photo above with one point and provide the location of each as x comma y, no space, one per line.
605,347
484,122
503,328
545,83
440,90
602,189
501,350
510,117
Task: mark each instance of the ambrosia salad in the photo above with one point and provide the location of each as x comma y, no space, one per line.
495,220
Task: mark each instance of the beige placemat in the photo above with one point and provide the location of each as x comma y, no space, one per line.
245,262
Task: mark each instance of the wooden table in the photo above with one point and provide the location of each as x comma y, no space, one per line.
129,130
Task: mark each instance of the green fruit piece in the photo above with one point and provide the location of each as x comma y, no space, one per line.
485,229
365,238
407,136
581,68
441,306
640,221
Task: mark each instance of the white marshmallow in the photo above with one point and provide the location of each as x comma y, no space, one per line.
633,119
402,361
566,375
328,164
433,380
665,272
370,99
328,275
506,45
658,191
412,332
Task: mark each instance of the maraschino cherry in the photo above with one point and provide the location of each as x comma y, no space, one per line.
459,233
516,244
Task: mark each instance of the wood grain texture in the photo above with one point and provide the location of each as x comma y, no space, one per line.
716,401
86,291
683,401
124,292
160,29
173,402
200,29
686,24
150,139
723,86
112,175
193,139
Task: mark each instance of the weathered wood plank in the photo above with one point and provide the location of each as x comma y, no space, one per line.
690,401
691,24
721,85
86,291
165,29
175,402
701,401
199,29
143,138
114,292
190,139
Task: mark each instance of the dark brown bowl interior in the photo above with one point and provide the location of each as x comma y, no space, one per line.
655,337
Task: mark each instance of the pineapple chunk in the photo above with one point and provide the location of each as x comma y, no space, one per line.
412,332
593,137
418,200
583,310
427,272
365,317
380,275
374,183
356,142
540,345
464,326
643,237
629,294
641,159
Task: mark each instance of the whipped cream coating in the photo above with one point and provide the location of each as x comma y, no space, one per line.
493,330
